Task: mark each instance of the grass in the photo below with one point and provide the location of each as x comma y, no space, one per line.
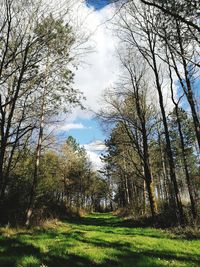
99,240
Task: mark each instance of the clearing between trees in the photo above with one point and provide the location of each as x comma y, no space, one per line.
98,239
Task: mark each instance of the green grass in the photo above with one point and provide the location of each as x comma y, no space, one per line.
99,240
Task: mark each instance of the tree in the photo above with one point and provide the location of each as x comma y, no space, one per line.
57,39
135,29
183,140
125,174
183,11
35,79
130,109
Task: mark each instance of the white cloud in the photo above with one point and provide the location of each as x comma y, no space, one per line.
97,164
71,126
97,145
99,71
101,66
94,150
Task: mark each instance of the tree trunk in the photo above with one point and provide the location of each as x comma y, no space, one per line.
188,179
37,164
147,173
189,92
144,198
178,203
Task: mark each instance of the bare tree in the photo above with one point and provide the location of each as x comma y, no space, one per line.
132,110
135,27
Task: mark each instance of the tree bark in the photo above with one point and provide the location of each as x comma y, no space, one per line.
30,207
167,139
189,92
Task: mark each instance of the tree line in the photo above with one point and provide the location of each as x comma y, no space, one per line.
67,186
152,159
36,85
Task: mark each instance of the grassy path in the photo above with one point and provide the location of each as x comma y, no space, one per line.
99,240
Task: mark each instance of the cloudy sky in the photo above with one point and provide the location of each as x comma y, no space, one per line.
98,72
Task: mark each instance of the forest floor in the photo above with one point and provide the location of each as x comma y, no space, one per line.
100,240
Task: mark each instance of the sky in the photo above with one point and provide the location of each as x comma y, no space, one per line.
98,72
97,4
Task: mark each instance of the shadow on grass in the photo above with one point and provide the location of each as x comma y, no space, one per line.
116,225
19,251
107,219
15,251
108,223
100,220
123,248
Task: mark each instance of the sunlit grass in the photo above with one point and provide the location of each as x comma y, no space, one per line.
95,240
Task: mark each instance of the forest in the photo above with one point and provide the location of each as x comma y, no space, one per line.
142,208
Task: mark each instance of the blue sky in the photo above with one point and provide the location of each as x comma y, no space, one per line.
97,4
85,131
184,102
